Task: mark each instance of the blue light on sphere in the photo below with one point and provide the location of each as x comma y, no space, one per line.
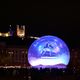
48,51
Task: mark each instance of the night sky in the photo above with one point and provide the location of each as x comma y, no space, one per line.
60,19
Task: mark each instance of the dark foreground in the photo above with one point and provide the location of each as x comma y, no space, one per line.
39,74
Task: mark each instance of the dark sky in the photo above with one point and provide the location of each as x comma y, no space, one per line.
56,18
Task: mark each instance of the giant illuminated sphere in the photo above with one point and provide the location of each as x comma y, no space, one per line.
49,51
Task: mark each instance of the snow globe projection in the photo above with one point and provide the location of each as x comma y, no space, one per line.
48,51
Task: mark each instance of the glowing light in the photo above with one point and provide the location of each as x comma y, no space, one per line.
0,34
34,37
5,34
48,51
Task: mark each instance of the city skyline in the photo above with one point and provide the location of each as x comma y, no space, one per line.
59,19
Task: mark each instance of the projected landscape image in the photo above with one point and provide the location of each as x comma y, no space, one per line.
49,51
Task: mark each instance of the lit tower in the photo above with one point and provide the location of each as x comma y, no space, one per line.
21,31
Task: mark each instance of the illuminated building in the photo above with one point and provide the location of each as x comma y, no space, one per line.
13,56
7,34
21,31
